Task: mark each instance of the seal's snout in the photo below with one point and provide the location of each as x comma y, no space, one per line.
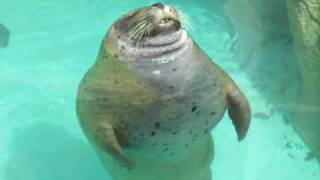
166,17
148,22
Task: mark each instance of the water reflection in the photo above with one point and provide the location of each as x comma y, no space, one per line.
45,151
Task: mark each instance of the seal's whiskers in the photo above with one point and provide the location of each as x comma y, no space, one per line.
136,30
140,30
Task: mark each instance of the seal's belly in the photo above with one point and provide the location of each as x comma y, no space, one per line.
172,128
180,117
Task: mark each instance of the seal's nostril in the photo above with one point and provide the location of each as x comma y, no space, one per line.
159,5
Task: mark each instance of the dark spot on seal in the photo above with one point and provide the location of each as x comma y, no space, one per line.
122,47
173,143
116,82
195,135
165,149
98,66
154,144
141,134
194,108
165,144
153,133
100,129
197,113
4,36
212,113
187,145
190,132
174,69
171,87
175,132
157,125
171,154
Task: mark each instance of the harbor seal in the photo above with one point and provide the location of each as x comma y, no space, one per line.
152,97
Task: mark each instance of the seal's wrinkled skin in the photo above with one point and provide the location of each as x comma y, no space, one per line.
149,102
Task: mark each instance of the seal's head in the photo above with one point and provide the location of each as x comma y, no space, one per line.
147,33
149,21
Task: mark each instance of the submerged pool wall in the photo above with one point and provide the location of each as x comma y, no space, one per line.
278,45
304,19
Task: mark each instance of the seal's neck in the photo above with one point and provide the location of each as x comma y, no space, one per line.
161,49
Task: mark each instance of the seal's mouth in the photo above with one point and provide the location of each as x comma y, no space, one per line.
148,22
170,22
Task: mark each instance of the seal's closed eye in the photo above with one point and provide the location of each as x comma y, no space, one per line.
159,5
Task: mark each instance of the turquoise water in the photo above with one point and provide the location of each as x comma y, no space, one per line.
52,44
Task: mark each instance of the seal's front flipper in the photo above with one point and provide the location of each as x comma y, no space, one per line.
238,109
108,141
